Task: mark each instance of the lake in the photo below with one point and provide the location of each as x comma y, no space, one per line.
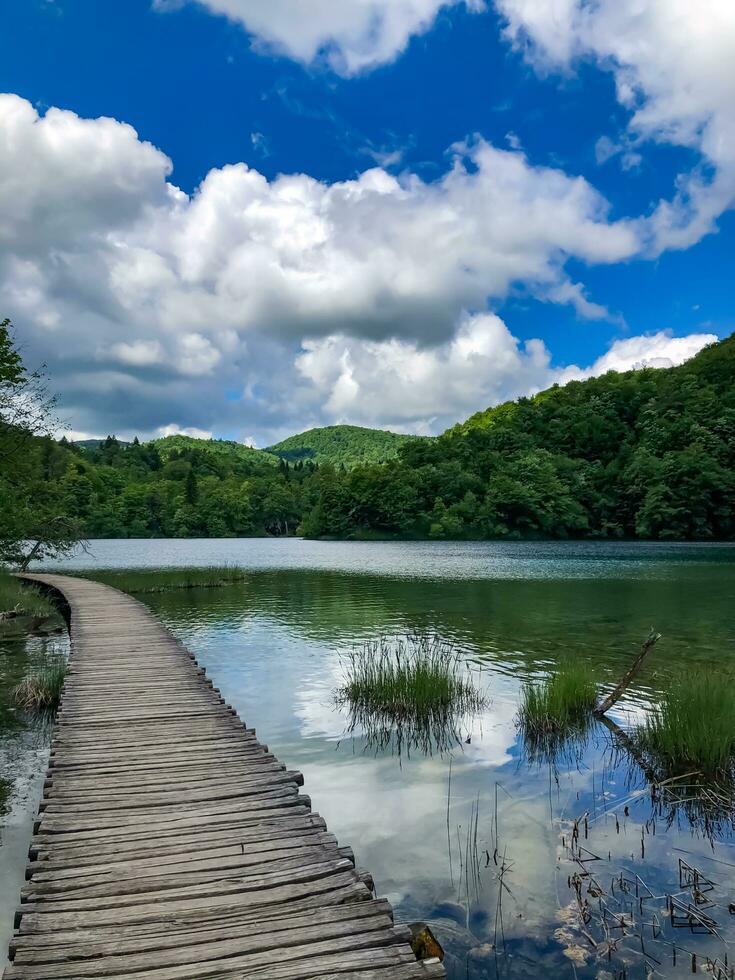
476,840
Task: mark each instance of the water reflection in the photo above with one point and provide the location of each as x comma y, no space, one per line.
404,735
559,749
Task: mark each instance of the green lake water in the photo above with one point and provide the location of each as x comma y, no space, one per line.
474,841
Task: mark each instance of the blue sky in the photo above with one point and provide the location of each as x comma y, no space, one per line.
588,218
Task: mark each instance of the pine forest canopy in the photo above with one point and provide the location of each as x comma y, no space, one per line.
648,454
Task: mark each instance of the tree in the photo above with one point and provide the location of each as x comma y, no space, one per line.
191,488
34,521
26,408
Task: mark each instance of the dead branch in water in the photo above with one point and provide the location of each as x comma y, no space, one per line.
618,691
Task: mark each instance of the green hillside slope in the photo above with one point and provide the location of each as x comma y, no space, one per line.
222,449
612,405
647,453
350,445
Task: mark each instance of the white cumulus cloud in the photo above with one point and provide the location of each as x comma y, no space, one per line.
138,354
348,35
396,382
172,429
658,350
673,66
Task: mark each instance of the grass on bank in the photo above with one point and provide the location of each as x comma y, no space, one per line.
410,678
142,580
558,707
17,599
41,691
692,729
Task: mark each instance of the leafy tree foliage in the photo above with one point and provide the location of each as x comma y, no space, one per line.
34,521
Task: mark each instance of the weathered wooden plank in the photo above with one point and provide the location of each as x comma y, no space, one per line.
213,789
259,955
409,971
186,824
49,918
230,950
72,946
136,748
151,889
189,773
128,880
207,856
76,851
151,758
189,922
171,814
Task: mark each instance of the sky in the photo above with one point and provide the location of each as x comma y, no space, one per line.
245,218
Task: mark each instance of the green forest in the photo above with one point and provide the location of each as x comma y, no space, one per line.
341,444
646,454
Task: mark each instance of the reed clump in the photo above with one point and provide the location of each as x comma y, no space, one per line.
413,693
21,600
148,580
559,705
41,691
411,677
692,728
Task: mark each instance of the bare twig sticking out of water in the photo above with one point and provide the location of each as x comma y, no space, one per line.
505,868
625,912
472,858
620,688
469,884
449,838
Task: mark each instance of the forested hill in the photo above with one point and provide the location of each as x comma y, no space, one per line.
621,400
647,453
172,447
341,445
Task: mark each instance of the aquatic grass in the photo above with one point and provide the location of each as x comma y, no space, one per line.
409,677
148,580
555,714
561,701
41,691
19,599
411,692
692,728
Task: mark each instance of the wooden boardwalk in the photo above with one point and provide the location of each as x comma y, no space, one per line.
170,843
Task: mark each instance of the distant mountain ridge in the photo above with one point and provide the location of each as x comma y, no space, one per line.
348,445
338,445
